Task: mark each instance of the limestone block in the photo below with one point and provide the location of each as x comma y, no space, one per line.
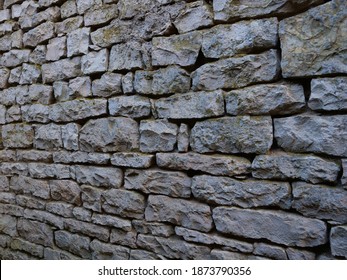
39,34
95,62
87,229
110,135
127,83
65,190
17,135
313,43
61,69
23,245
237,72
100,15
8,225
14,58
127,56
48,137
73,243
338,242
183,138
78,42
60,208
232,135
112,221
33,19
246,194
153,228
109,84
270,251
68,9
187,213
84,5
44,170
80,157
80,87
106,251
91,198
68,25
30,74
35,113
34,155
35,232
4,75
133,160
318,134
69,136
38,55
134,106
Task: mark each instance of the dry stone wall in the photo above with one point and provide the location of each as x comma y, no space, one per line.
169,129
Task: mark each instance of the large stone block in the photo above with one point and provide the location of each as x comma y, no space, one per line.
318,134
89,229
277,226
4,75
314,43
39,34
321,202
212,164
17,135
109,84
80,157
289,166
176,184
91,198
242,134
8,225
338,241
65,190
73,243
133,106
239,38
124,203
78,42
153,228
193,105
48,137
237,72
245,194
23,245
106,251
56,48
95,62
77,109
273,99
133,160
44,170
35,113
27,185
100,15
14,58
112,221
68,25
328,94
110,134
189,214
61,69
35,232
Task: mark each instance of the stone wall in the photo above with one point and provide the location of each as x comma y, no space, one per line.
169,129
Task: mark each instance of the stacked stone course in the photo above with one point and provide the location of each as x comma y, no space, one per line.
171,129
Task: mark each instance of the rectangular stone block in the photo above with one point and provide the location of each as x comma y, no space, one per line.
109,84
8,225
133,106
35,232
96,16
133,160
91,198
190,214
73,243
44,217
88,229
80,157
95,62
61,69
17,135
106,251
39,34
153,228
48,137
27,185
65,190
277,226
338,243
28,247
243,134
112,221
14,58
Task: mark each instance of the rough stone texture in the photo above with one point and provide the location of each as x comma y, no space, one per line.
65,190
277,226
322,202
74,243
95,62
78,42
61,69
175,184
237,71
17,136
245,194
35,232
109,84
100,15
243,134
195,105
105,251
344,175
48,137
212,164
338,239
270,251
313,42
134,160
328,94
273,99
56,48
318,134
80,157
133,106
289,166
39,34
109,134
190,214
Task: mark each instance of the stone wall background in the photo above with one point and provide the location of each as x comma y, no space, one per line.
173,129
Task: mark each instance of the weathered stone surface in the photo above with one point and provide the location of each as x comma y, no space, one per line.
112,221
30,202
31,17
7,168
27,185
295,254
4,75
109,84
274,99
105,251
190,214
50,254
133,160
124,203
212,164
173,248
328,94
144,255
4,14
74,243
176,49
110,134
39,34
82,214
48,137
128,83
12,210
69,136
157,136
68,25
193,105
8,225
9,95
210,239
68,9
77,109
88,229
277,226
35,113
35,232
321,202
81,86
56,48
232,135
36,93
80,157
270,251
127,56
229,10
195,15
61,69
239,38
84,5
38,55
7,198
4,183
237,72
78,42
2,114
43,170
183,138
34,155
98,176
13,114
17,135
95,62
175,184
245,194
153,228
289,166
65,190
319,134
344,175
121,237
14,58
133,106
23,245
226,255
313,43
91,198
30,74
338,239
100,15
60,208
